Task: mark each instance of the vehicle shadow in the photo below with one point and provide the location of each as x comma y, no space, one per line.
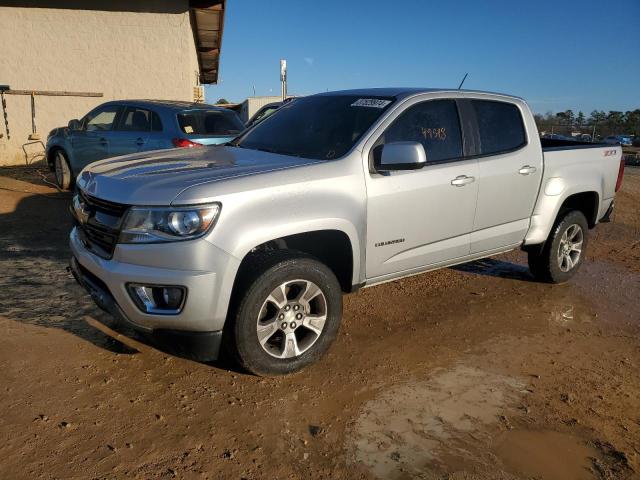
496,268
37,288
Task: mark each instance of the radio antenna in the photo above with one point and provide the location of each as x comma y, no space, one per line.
463,79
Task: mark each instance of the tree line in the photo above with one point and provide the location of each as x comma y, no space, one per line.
605,123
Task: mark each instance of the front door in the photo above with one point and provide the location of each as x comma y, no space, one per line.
91,142
421,217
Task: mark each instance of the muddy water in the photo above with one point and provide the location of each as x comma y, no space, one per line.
412,429
546,454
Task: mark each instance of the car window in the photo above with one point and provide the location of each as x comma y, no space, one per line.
156,123
500,126
210,122
264,113
322,127
435,124
101,119
135,119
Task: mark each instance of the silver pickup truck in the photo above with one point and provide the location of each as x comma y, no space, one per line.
251,245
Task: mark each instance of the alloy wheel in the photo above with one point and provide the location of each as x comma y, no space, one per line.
291,318
570,247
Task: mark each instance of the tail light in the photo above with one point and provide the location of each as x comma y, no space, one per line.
185,143
620,175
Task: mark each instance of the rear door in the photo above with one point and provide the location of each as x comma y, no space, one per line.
419,218
510,171
132,132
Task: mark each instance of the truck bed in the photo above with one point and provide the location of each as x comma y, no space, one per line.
550,144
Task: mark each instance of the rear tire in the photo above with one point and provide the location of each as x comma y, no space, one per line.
287,313
62,170
564,250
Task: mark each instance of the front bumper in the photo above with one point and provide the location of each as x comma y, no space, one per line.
202,346
207,274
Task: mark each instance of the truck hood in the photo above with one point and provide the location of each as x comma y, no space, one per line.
158,177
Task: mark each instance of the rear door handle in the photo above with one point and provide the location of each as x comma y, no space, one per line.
103,141
462,180
526,170
140,142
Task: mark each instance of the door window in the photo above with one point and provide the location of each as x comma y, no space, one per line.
101,119
135,119
435,124
499,125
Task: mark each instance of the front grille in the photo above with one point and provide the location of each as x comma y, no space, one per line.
100,231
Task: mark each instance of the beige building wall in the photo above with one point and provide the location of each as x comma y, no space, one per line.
133,49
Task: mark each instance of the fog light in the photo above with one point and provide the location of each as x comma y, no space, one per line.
158,299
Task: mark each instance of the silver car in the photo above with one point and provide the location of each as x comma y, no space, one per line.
252,244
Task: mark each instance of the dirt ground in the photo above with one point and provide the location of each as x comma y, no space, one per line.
473,372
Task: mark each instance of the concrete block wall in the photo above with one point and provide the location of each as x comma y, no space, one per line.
142,50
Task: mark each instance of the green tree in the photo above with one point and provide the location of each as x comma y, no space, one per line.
597,116
223,101
580,119
566,118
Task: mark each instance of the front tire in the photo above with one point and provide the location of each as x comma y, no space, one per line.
288,313
62,170
564,251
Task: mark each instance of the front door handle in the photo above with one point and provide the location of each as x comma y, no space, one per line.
462,180
526,170
103,141
140,142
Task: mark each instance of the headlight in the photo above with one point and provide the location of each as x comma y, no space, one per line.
166,224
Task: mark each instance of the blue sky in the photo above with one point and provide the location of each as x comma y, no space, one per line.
582,55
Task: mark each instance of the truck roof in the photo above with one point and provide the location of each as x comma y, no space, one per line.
402,92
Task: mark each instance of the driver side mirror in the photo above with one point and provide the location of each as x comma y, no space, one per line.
400,156
74,125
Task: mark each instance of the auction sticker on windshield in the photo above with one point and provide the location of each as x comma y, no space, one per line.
371,103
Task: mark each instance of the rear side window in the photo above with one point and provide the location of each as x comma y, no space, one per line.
500,126
210,122
435,124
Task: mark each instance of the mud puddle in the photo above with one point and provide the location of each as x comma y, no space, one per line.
422,428
546,454
469,421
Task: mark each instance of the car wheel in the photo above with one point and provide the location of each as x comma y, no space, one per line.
564,251
62,171
288,313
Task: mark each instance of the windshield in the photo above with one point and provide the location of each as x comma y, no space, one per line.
262,114
210,122
321,127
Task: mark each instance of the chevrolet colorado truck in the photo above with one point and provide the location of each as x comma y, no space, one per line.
251,245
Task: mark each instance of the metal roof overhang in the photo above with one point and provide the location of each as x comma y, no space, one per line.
207,22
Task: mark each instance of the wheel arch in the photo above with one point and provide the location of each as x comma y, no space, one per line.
586,202
51,155
549,208
333,247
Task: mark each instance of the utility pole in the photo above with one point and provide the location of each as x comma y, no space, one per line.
283,78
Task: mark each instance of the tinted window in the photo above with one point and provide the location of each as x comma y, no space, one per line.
434,124
135,119
156,124
262,114
321,127
500,126
101,119
210,122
